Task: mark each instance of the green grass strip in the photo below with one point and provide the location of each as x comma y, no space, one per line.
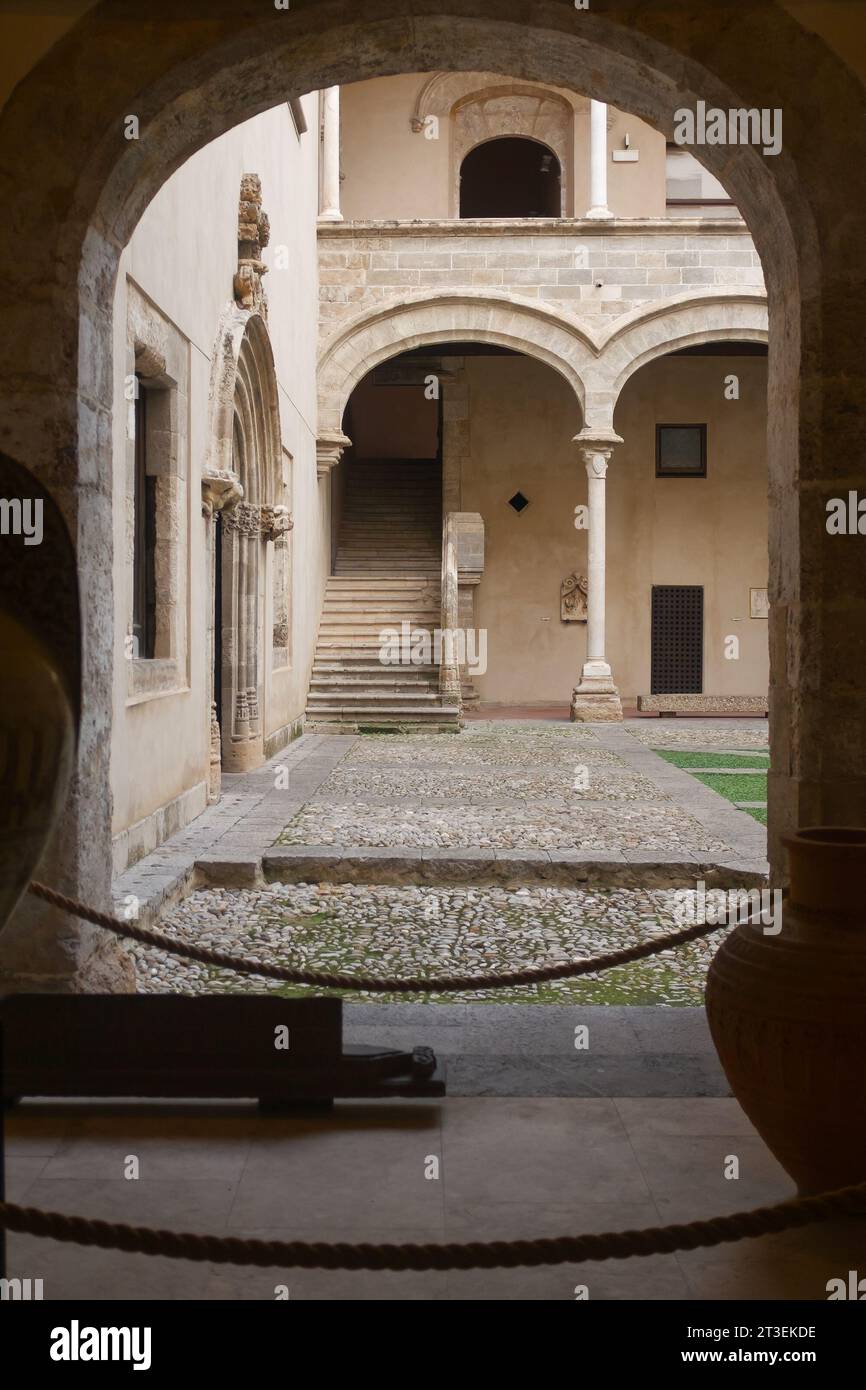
689,760
734,788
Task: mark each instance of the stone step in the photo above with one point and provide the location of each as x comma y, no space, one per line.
374,679
387,572
421,594
363,617
369,627
612,869
390,680
396,713
365,699
381,607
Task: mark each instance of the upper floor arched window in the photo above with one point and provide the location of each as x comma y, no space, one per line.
511,176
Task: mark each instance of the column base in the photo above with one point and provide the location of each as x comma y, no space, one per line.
598,214
590,706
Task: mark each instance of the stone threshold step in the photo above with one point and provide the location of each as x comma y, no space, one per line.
563,868
728,771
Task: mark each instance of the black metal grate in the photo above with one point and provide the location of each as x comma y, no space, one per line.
677,639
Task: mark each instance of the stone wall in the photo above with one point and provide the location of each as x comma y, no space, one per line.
574,265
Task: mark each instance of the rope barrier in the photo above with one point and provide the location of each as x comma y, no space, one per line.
509,1254
608,1245
443,984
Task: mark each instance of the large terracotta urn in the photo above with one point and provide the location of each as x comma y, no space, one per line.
787,1014
40,677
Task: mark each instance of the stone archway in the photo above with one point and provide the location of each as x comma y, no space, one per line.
423,320
240,492
679,322
188,80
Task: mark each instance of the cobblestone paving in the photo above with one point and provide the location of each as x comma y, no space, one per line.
497,785
433,931
502,785
732,735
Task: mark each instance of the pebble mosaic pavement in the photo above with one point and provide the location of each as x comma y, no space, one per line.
507,785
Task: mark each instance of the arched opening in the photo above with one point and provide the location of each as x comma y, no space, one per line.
512,176
688,527
242,532
87,194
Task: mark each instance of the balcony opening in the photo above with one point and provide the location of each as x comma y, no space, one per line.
511,176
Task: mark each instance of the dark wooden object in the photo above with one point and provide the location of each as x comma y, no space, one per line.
213,1046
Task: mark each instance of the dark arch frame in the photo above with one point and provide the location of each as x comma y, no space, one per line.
188,80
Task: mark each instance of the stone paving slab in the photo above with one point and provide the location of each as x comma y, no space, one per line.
742,833
234,831
661,825
358,865
707,735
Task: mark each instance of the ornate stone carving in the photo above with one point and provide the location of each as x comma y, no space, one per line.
254,232
276,522
596,461
215,768
220,488
244,518
573,598
329,451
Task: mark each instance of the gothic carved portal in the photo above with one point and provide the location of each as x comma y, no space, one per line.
245,510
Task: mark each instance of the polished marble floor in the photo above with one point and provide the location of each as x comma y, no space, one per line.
509,1167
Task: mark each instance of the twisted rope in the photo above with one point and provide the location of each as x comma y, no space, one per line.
607,1245
389,985
500,1254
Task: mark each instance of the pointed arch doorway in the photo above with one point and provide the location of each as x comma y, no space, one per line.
245,519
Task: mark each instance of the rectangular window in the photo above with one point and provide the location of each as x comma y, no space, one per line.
144,538
681,451
692,191
677,658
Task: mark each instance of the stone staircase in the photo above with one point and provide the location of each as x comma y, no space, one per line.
387,573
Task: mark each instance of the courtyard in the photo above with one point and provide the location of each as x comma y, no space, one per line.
516,842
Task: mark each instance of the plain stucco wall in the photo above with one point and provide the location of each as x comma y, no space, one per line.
183,257
712,531
389,171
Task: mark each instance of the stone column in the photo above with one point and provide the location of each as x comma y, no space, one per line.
330,208
598,207
470,568
218,489
596,697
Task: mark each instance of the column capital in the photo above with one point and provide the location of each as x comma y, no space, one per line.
596,448
329,450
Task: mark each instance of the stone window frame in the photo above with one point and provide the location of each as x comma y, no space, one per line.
555,132
157,355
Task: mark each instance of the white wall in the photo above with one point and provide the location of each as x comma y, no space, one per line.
183,257
711,531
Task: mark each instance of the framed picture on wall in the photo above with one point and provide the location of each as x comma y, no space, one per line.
759,603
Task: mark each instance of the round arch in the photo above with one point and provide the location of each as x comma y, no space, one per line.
428,319
677,323
510,176
189,80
